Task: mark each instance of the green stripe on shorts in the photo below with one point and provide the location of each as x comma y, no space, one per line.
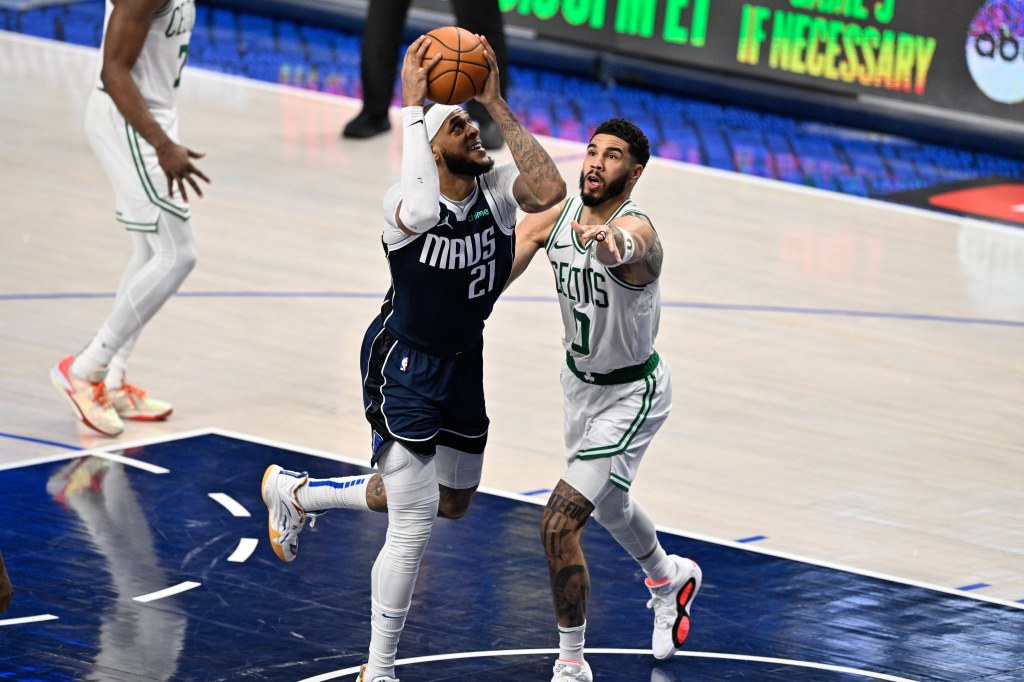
147,182
627,437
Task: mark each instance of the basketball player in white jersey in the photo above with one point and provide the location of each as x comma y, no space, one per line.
132,125
606,258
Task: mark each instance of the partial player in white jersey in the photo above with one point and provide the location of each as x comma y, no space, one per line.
132,125
606,258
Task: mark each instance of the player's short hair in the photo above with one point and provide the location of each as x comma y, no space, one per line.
639,146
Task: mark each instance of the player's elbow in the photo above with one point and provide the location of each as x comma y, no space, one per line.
419,218
553,192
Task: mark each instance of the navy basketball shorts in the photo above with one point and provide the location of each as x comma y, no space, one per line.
422,400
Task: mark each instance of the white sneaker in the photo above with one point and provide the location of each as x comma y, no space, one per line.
378,678
131,402
572,671
285,516
671,603
87,397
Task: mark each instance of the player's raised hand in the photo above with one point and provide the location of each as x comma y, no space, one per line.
415,72
491,91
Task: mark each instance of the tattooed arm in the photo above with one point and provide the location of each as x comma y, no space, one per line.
539,185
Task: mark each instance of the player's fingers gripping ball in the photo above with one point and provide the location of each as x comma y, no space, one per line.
463,69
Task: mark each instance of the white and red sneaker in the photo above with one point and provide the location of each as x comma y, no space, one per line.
571,671
671,601
131,402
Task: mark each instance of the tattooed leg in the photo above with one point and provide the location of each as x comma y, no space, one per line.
564,517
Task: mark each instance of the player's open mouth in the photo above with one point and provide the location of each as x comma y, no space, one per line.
476,146
593,182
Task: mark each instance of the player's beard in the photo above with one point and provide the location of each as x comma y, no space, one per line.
611,190
461,165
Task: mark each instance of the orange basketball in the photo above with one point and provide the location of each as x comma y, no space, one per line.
463,68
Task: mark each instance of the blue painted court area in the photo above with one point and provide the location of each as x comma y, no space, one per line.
152,563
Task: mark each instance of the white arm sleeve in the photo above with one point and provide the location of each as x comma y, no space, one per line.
421,188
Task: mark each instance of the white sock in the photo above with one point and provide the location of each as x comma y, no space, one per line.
658,567
97,354
383,643
118,366
570,642
348,492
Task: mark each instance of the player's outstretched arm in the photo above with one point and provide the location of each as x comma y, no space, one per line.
532,234
539,185
629,243
126,33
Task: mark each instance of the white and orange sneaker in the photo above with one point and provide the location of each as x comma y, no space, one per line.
285,516
132,403
87,397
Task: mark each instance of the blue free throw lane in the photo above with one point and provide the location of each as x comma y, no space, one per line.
84,538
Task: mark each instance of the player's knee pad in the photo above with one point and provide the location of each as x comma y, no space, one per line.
411,483
627,522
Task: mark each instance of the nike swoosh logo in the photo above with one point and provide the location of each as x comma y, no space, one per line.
556,245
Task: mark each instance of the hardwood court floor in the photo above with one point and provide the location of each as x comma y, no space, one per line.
849,375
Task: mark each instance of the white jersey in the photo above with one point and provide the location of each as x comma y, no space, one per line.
609,324
157,71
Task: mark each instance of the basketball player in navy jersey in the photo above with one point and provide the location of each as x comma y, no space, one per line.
449,240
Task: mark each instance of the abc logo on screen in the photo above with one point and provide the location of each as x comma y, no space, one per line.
995,50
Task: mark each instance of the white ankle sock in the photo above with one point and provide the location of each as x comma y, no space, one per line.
658,566
96,355
570,642
348,492
118,366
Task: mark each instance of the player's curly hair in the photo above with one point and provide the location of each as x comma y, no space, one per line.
639,146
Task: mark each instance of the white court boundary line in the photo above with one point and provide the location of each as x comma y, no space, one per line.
244,550
230,503
277,88
692,654
168,591
27,619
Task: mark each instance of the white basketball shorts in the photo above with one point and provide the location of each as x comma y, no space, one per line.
608,429
140,185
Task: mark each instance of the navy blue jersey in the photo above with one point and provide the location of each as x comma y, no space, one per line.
444,282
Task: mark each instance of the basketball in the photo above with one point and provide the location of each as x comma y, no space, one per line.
463,68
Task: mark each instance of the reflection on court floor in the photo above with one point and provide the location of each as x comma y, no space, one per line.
152,563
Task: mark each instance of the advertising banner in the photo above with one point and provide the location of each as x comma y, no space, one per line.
962,55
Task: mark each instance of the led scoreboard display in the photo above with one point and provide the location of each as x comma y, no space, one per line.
964,55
